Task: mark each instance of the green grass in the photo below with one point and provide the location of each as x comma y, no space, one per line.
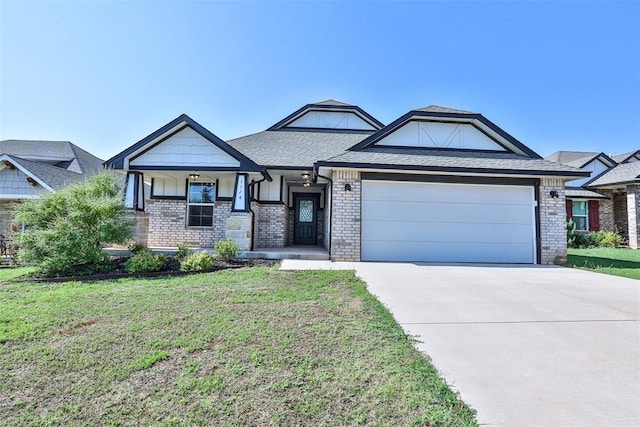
14,273
244,347
617,262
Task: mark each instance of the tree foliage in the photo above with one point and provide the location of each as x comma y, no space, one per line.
65,231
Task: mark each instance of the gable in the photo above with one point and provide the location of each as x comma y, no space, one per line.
14,184
185,148
330,120
596,167
443,135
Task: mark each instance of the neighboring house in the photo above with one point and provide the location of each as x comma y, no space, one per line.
437,184
609,198
30,168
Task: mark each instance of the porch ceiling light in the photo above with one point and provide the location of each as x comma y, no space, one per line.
306,184
194,176
305,176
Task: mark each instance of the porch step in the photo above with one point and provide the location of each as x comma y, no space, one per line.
285,254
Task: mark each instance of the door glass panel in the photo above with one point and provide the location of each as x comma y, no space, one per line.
305,211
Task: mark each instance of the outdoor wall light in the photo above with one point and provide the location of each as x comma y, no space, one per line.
194,176
553,194
347,187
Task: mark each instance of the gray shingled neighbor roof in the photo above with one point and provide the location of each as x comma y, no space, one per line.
572,158
334,102
75,159
622,157
295,148
491,161
581,193
624,173
53,176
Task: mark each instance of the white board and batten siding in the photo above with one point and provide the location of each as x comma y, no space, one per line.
596,167
186,148
436,222
270,191
176,187
440,135
331,120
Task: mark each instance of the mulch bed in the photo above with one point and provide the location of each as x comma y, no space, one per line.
172,268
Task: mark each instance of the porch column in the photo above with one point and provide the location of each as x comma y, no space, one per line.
633,211
345,226
239,225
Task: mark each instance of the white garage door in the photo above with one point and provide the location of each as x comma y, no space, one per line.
437,222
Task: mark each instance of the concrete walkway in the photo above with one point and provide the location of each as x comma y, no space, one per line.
524,345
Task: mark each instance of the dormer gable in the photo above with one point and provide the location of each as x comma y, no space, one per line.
182,144
630,157
329,115
443,128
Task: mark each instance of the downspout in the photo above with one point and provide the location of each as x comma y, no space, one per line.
253,214
316,175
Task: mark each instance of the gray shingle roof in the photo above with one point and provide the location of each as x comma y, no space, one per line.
334,102
53,176
581,193
572,158
75,158
488,162
439,109
295,148
624,173
622,157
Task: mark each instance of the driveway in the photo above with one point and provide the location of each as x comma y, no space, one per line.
524,345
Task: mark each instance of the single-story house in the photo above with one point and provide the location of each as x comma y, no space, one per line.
30,168
437,184
609,199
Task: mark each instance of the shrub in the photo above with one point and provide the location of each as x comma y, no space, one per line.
198,261
65,231
136,247
606,239
226,250
184,251
145,261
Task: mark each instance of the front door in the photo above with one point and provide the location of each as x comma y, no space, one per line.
306,208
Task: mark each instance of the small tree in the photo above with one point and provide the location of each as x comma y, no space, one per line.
65,231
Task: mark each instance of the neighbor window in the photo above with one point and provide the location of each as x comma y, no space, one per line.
200,200
580,215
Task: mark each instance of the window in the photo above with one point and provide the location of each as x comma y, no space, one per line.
202,196
580,215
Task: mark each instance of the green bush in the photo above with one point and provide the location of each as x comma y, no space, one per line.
66,230
136,247
606,239
198,261
145,261
226,250
184,251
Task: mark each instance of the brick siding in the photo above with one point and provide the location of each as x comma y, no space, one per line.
620,217
271,225
168,219
605,212
553,222
345,226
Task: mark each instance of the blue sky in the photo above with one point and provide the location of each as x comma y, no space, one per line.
556,75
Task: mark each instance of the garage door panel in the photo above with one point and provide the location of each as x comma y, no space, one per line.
408,221
445,212
442,232
450,252
405,191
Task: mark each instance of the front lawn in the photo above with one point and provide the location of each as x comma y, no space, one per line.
617,262
11,273
238,347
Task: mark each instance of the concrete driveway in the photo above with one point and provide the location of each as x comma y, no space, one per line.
524,345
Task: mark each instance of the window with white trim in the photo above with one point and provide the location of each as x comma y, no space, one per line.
580,215
200,201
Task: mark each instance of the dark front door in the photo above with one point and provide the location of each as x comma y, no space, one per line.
306,209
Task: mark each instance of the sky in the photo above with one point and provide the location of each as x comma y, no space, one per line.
105,74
